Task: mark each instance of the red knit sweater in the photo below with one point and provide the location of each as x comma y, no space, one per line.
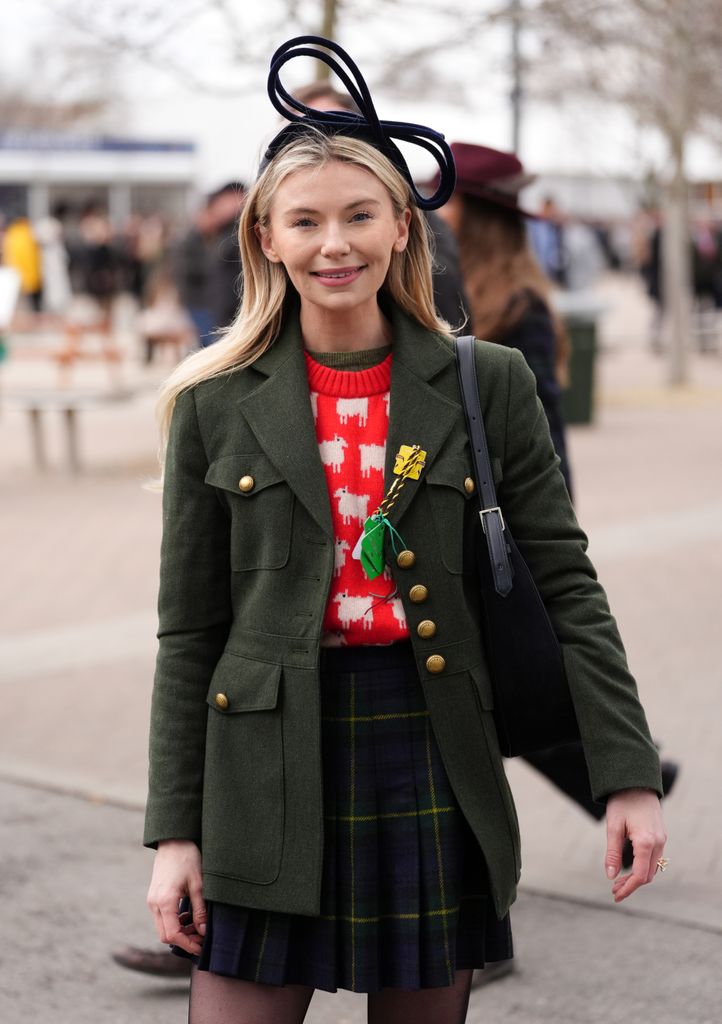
351,412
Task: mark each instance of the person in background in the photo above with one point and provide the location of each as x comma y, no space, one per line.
547,236
142,245
50,234
20,250
508,296
585,256
207,263
507,290
191,267
99,259
224,281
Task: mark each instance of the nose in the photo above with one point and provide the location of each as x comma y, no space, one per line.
334,241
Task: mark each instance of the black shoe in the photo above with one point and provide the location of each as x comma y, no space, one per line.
670,770
161,963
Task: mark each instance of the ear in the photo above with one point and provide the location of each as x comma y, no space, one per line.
402,231
264,237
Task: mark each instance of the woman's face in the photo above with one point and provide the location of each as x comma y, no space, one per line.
334,229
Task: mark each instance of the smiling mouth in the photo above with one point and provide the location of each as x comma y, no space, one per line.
337,275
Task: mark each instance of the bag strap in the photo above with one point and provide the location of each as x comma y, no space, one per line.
492,520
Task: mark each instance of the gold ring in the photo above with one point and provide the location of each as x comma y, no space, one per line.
662,863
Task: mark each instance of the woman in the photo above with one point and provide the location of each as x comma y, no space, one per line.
321,726
508,296
507,290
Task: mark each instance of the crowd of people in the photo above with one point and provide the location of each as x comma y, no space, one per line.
74,252
187,277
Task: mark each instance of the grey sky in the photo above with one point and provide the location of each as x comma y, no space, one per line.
230,132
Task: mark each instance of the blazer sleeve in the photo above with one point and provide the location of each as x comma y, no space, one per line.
619,751
194,611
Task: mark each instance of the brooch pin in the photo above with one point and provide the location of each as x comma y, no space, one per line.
369,549
411,458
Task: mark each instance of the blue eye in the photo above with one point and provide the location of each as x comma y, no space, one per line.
302,222
363,214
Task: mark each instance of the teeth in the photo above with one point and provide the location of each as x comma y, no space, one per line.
346,273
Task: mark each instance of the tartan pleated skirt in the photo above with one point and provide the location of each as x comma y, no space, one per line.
404,898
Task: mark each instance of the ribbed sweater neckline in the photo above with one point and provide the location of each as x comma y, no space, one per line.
328,380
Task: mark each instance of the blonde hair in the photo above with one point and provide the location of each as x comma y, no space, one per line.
265,284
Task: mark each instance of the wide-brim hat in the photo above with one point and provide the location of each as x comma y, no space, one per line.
491,174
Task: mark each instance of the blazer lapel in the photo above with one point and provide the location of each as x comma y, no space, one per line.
279,413
418,412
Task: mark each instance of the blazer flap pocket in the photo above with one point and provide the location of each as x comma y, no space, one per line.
244,475
242,684
482,680
454,474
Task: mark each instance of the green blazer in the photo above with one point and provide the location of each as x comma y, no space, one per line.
235,760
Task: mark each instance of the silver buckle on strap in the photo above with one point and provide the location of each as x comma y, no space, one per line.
485,512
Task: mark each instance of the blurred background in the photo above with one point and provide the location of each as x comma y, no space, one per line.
128,134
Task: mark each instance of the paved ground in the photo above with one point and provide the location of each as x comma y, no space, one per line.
77,590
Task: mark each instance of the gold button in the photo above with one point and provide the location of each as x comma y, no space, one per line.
246,483
221,701
405,559
435,664
418,593
426,629
469,485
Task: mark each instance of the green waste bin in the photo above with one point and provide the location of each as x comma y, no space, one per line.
578,397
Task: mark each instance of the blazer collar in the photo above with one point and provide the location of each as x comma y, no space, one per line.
423,352
279,410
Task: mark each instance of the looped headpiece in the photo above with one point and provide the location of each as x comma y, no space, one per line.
364,125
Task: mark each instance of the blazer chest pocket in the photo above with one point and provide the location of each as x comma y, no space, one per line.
243,797
260,504
451,499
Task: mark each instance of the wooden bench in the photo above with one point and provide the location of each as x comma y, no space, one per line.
66,343
68,403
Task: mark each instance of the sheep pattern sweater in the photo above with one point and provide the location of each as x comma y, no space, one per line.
351,414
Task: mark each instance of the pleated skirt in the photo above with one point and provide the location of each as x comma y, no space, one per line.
405,896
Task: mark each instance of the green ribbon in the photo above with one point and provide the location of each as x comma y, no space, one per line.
372,544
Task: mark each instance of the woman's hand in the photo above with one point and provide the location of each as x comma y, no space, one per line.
177,873
635,813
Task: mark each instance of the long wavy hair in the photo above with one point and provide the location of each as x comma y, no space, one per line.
501,276
266,284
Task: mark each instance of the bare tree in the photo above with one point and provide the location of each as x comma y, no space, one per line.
660,59
221,47
68,89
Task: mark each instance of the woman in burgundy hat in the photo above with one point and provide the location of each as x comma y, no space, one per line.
507,290
508,295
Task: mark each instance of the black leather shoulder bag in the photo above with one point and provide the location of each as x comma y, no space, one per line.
532,705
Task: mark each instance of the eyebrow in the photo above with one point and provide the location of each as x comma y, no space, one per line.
349,206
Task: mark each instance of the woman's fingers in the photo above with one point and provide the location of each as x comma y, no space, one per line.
199,907
173,932
635,813
177,872
615,842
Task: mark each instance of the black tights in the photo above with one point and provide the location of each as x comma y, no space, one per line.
218,1000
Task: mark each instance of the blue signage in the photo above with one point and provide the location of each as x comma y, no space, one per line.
52,141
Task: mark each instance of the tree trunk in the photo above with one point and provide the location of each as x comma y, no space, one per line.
676,241
327,30
676,260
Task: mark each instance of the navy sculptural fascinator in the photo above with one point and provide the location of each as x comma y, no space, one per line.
364,125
